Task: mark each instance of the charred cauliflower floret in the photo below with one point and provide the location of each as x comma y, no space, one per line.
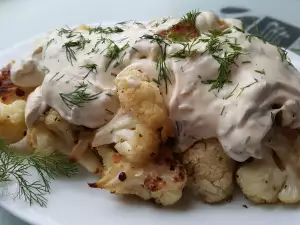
54,133
137,142
12,121
276,177
162,180
210,171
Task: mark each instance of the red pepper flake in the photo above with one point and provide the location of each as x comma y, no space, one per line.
122,176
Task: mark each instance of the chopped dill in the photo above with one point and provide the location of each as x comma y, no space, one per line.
222,110
283,55
163,71
231,93
225,63
190,17
54,76
70,45
49,42
260,71
113,52
90,67
243,88
187,50
107,30
67,31
78,97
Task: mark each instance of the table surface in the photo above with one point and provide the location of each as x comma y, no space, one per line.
23,19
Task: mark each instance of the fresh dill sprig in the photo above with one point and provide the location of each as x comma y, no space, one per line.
113,52
78,44
163,72
107,30
187,50
155,38
214,47
49,42
190,17
95,49
225,63
90,67
78,97
14,168
245,62
214,44
67,31
70,53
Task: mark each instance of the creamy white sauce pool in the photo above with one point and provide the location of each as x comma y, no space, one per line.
239,114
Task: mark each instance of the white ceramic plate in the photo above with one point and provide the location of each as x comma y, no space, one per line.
72,202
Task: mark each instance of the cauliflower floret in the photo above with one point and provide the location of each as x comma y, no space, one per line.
275,177
54,133
137,142
261,180
42,140
162,180
210,171
141,123
142,98
12,121
60,127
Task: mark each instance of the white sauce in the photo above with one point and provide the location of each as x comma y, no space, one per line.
239,114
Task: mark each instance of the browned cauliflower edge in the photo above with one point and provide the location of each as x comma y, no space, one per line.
162,179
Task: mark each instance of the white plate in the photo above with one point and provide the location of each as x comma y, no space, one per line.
72,202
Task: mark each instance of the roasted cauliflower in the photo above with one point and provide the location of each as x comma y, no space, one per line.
137,142
210,171
275,177
12,121
54,133
141,123
162,179
142,99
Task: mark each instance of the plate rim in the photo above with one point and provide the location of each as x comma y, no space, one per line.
33,217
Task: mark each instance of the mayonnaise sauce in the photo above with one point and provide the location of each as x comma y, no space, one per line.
239,114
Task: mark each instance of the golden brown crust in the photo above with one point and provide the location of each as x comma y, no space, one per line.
9,92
